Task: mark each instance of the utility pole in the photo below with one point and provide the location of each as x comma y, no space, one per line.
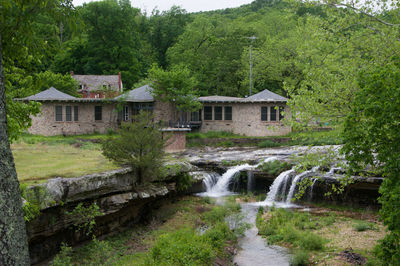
252,38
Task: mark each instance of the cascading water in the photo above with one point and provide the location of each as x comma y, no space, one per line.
312,189
222,186
210,179
295,181
280,181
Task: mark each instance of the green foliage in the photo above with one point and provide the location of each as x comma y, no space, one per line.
176,86
364,226
372,139
267,144
183,182
274,167
84,217
300,258
211,135
65,83
183,247
34,199
64,257
215,215
139,145
292,227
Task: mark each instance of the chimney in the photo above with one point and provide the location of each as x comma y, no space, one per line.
71,73
119,81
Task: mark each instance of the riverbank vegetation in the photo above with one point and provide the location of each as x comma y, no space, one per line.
323,236
190,231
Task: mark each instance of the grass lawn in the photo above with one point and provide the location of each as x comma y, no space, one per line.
38,158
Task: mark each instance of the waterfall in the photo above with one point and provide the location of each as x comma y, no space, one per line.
282,179
250,181
312,189
210,180
295,181
221,187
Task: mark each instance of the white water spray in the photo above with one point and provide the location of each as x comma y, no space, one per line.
274,188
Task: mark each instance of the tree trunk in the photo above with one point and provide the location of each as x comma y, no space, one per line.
13,239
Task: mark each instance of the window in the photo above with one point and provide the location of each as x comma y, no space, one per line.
126,113
207,113
196,116
272,116
98,113
59,116
217,112
76,113
264,113
139,107
68,113
281,110
228,113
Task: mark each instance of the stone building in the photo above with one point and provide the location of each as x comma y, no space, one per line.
63,114
99,86
258,115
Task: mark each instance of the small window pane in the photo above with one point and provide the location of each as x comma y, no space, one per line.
126,113
228,112
76,113
59,116
196,116
264,113
272,113
98,113
68,113
281,110
217,112
207,113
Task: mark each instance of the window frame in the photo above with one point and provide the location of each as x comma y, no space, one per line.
218,115
68,113
273,114
264,113
58,115
208,116
97,113
228,118
76,113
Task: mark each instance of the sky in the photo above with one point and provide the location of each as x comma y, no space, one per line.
189,5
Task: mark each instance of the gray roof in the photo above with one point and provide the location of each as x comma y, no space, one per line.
142,94
55,95
51,94
216,99
96,82
265,96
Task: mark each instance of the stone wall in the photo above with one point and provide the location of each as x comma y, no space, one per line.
45,123
246,120
164,111
176,140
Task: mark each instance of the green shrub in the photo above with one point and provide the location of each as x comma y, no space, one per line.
218,234
216,215
183,182
310,241
300,258
64,257
274,167
363,226
182,247
268,144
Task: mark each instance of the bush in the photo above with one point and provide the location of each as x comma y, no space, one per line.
300,258
182,247
218,234
64,257
139,145
216,215
363,226
268,144
183,182
274,167
310,241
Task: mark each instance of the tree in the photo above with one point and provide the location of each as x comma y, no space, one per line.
140,145
176,86
16,48
372,138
